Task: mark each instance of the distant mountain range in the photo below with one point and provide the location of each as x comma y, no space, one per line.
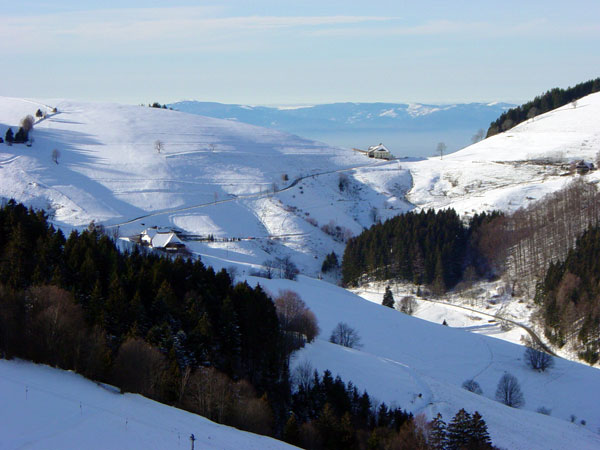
407,129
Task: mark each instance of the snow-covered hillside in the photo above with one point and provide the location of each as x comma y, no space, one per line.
513,168
210,177
44,408
264,194
403,357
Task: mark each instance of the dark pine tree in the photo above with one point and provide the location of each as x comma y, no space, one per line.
9,137
388,298
437,433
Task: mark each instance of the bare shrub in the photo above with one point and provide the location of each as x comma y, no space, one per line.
343,182
544,410
338,233
312,221
472,386
344,334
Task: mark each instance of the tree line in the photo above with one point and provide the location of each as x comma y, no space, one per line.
428,247
552,99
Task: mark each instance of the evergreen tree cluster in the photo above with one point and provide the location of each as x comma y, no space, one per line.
552,99
192,315
428,247
464,432
330,263
330,414
569,296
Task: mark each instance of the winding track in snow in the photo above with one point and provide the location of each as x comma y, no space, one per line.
246,196
529,331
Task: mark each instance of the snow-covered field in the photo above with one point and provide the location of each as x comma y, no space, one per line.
404,356
274,192
45,408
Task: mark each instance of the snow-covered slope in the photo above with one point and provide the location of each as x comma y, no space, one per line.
208,172
227,179
46,408
403,357
513,168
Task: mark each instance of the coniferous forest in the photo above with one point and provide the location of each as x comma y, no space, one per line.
175,331
431,248
552,99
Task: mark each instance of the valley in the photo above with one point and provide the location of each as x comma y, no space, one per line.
264,195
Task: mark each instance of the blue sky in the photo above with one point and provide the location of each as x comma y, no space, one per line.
297,51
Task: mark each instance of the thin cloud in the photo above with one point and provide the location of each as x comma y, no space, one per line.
534,28
152,25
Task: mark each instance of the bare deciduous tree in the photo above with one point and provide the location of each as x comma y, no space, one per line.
509,391
533,111
294,316
27,123
537,359
139,367
303,375
507,124
408,305
441,149
344,334
478,136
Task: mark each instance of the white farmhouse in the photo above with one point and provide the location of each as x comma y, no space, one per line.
162,240
379,152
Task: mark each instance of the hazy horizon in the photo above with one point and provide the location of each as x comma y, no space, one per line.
271,52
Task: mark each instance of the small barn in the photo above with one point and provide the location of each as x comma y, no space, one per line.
379,152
